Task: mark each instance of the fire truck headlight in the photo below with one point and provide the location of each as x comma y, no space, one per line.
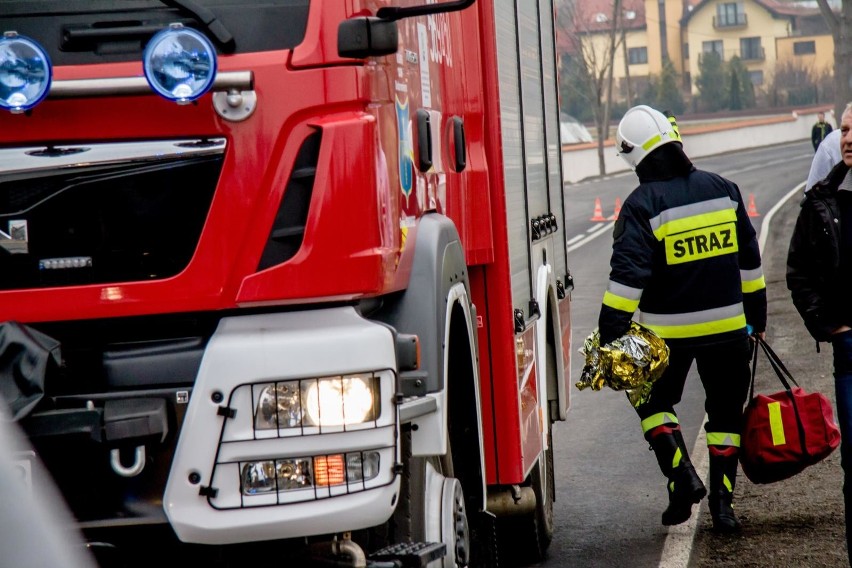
323,402
279,406
340,401
180,64
25,73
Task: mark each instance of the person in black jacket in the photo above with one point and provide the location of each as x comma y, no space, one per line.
820,130
819,265
686,256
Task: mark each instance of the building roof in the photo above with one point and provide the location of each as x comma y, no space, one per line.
777,8
591,16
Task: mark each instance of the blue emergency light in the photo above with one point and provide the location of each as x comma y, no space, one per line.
180,64
25,72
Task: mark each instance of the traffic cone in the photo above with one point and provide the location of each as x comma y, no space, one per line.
752,208
598,214
617,209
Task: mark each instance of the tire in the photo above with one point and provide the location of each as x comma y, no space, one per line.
525,539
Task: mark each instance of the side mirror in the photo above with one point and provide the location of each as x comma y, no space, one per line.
367,37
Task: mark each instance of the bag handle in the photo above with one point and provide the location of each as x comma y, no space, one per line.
777,365
784,376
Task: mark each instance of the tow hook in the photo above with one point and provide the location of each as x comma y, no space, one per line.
132,471
344,546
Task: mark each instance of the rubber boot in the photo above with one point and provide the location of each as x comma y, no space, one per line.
685,488
723,478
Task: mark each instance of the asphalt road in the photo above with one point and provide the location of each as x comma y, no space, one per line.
610,492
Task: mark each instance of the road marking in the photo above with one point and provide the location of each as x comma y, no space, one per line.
678,546
600,230
763,165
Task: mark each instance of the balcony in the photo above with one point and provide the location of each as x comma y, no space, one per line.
730,21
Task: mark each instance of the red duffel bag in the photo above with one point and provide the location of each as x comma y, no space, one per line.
784,432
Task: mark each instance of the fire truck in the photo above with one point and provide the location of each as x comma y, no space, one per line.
287,271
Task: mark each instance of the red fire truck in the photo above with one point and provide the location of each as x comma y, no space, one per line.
288,271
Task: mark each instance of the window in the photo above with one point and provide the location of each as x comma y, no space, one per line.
730,14
750,48
637,55
600,18
804,47
756,77
714,46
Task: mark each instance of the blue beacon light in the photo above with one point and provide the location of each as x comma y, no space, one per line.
180,64
25,73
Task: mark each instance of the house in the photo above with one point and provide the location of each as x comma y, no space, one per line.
767,35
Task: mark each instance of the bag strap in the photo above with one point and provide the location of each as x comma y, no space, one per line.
753,367
778,366
784,375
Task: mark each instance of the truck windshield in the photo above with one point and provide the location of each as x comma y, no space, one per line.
95,31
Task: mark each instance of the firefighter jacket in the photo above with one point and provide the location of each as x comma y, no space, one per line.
685,254
813,260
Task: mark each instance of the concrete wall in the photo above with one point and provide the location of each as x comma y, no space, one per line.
580,161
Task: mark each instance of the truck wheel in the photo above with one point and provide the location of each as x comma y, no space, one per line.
445,518
525,539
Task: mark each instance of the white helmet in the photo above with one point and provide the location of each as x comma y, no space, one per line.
641,131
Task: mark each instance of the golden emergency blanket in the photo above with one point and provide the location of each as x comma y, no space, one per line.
631,363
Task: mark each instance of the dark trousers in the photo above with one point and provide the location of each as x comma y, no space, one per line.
725,373
842,343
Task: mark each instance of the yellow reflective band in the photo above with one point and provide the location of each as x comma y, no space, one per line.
754,285
698,329
673,122
723,439
677,457
699,244
619,302
658,419
694,222
727,483
651,142
671,487
776,424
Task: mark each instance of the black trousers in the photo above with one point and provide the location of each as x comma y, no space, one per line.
725,372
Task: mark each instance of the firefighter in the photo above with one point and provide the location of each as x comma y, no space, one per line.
686,256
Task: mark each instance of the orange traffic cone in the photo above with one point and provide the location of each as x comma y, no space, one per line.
752,208
617,209
598,214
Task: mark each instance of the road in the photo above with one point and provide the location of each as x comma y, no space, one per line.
610,492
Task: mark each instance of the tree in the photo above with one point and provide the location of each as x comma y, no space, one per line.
840,25
740,88
711,81
594,64
669,96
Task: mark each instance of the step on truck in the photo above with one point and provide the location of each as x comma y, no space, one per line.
287,275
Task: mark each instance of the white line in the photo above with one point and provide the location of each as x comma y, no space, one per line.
678,546
593,228
601,230
573,240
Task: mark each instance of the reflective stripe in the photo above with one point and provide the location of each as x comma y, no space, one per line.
693,216
677,457
752,280
698,329
676,130
776,424
727,483
754,285
723,439
695,324
619,303
658,419
621,297
651,142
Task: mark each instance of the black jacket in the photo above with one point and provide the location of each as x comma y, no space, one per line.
813,259
685,254
818,133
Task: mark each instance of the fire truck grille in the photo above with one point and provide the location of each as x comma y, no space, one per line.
89,222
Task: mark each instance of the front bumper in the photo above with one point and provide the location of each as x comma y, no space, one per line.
203,499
